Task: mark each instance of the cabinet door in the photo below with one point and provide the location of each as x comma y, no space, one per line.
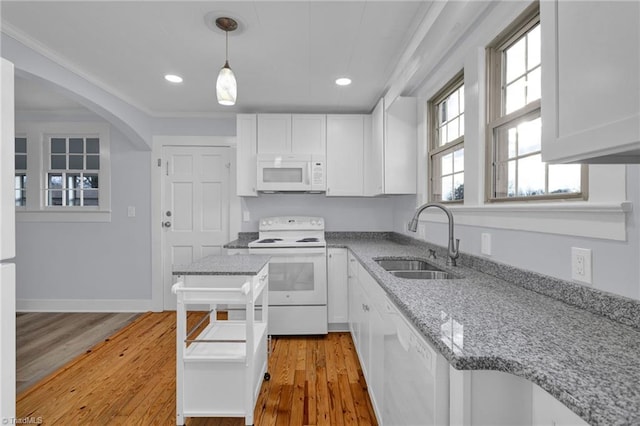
246,150
590,85
309,134
374,154
400,147
548,411
274,133
345,155
338,298
355,310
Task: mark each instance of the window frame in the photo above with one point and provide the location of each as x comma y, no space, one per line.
39,165
22,172
496,118
432,144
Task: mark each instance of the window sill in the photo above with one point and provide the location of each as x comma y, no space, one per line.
579,218
63,215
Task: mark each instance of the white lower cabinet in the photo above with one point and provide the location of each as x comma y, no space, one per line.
406,378
497,398
337,289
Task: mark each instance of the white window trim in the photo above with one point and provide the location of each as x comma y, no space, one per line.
36,209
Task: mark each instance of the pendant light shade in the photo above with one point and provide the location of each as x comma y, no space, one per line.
226,86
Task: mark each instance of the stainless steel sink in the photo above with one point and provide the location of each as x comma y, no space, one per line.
406,265
422,275
415,269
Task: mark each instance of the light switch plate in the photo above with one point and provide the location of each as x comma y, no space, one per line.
131,211
246,216
485,243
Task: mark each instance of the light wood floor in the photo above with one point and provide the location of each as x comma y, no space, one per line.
47,341
130,379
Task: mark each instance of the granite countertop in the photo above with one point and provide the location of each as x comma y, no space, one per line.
481,322
241,264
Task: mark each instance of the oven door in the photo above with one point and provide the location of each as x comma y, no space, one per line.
297,276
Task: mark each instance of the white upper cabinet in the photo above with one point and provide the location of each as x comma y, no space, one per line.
308,134
346,135
374,154
246,150
292,133
390,166
274,133
590,85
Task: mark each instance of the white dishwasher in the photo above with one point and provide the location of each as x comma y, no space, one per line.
416,377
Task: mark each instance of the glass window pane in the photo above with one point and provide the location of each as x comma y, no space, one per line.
452,104
458,186
533,48
564,178
534,85
461,125
76,162
58,162
447,188
73,198
58,145
73,181
458,160
93,145
531,176
452,130
20,162
513,142
511,178
21,145
54,181
515,96
515,60
443,113
529,136
76,145
54,198
93,162
461,98
90,197
442,133
447,164
90,181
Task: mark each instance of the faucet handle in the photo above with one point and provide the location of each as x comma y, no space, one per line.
432,254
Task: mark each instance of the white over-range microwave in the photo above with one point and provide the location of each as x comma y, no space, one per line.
291,172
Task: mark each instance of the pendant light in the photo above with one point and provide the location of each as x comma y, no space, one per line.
226,86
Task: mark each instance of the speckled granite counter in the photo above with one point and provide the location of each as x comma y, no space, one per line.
241,264
588,362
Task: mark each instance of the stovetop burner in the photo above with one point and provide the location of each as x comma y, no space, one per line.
269,240
308,240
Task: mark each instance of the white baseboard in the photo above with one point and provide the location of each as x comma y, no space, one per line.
83,305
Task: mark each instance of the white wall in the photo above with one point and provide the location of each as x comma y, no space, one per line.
340,213
93,266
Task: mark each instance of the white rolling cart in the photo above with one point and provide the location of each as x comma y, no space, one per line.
220,370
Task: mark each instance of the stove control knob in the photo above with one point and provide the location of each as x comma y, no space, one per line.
270,222
319,222
313,222
264,222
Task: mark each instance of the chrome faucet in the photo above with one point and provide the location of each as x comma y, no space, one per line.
451,250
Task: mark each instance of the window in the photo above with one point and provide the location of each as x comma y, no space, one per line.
514,122
446,151
21,171
73,172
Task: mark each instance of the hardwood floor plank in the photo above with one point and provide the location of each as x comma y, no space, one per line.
129,379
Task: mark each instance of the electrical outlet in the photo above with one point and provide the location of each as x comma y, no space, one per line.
581,265
246,216
131,211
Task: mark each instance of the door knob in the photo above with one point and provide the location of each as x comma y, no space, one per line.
166,224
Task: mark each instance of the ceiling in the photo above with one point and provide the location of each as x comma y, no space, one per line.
286,55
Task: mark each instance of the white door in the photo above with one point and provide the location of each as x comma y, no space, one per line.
195,211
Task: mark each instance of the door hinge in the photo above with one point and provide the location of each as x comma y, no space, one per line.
159,162
167,168
228,165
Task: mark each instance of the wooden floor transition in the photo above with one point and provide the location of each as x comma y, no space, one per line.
129,379
46,341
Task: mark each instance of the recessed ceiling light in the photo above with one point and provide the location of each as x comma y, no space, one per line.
173,78
343,81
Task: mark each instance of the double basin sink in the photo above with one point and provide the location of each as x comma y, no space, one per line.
412,269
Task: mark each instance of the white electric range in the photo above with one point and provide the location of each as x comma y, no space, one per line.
297,273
